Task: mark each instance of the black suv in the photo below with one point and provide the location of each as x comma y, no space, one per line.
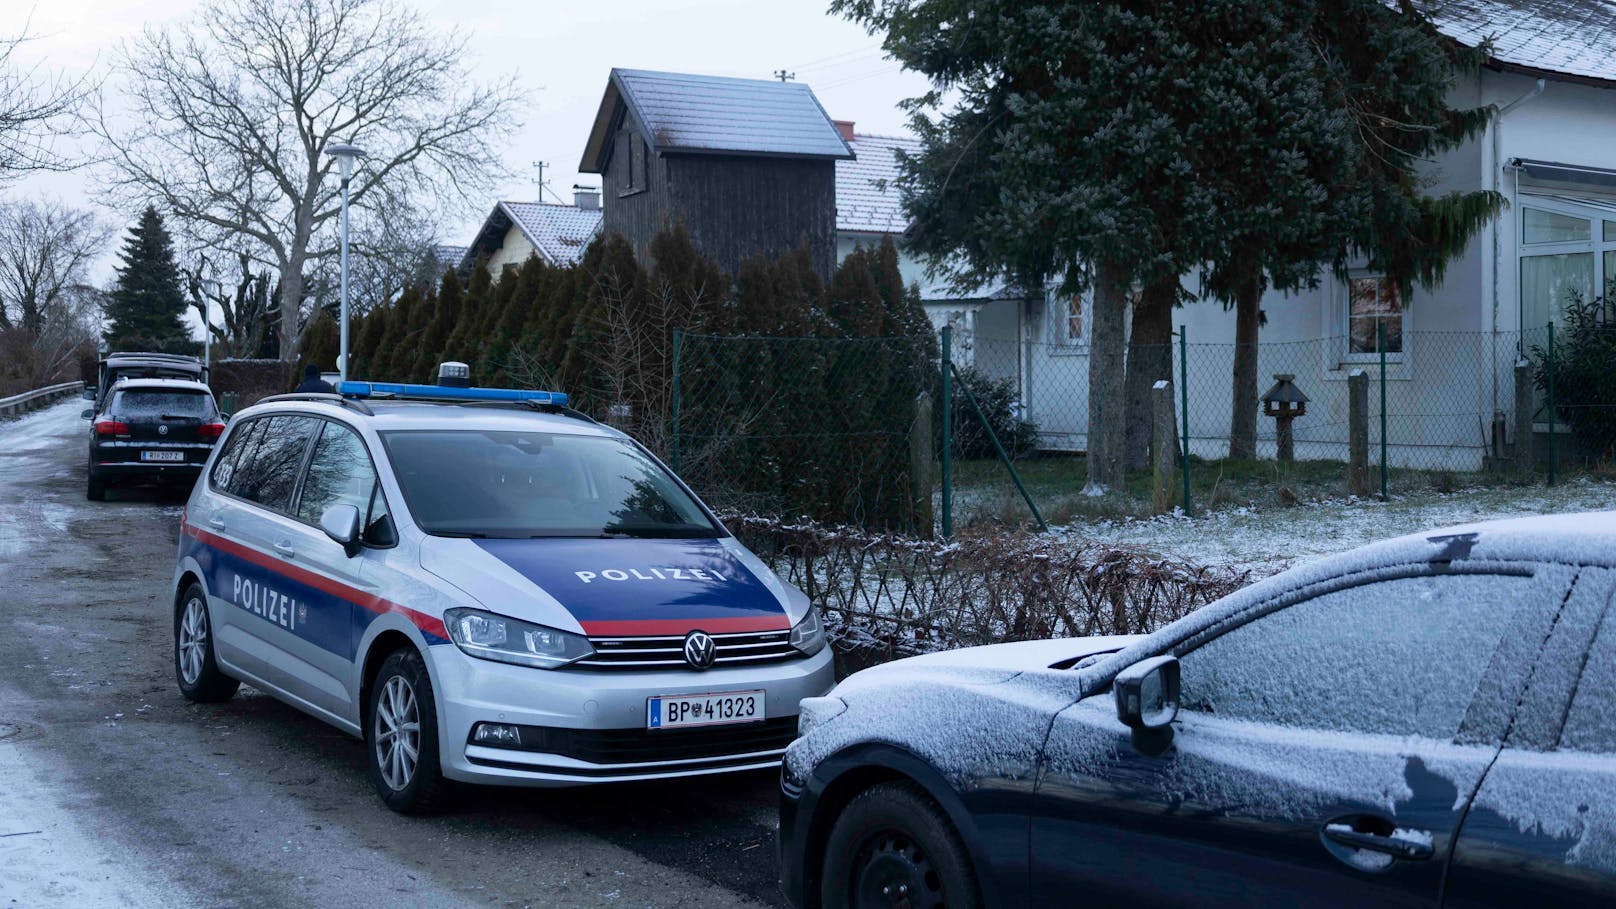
151,429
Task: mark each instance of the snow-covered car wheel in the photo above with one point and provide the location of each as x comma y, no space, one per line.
96,489
401,736
892,846
194,666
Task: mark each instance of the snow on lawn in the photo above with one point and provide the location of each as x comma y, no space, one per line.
1272,540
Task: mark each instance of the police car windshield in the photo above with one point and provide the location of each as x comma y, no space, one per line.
538,484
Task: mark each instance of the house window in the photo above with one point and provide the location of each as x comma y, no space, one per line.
1374,305
1568,251
1071,319
636,163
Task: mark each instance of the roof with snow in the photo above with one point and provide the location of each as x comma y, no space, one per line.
690,114
1574,38
866,186
449,255
560,233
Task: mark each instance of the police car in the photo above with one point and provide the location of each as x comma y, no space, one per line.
487,587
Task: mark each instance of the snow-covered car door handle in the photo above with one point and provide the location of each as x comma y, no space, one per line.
215,522
1359,831
284,547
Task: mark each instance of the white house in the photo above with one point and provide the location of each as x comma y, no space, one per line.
558,234
1450,349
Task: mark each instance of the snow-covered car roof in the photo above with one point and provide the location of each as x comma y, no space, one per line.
160,384
1573,539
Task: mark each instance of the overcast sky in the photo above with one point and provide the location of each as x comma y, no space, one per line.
560,53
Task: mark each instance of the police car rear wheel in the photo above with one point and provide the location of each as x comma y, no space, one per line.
402,736
194,666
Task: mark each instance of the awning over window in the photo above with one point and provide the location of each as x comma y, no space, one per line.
1566,173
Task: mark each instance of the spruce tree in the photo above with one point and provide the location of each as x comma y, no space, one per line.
434,340
145,308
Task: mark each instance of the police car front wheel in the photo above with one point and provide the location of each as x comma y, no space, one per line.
402,736
195,668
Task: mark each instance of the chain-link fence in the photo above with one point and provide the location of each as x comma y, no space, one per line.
838,429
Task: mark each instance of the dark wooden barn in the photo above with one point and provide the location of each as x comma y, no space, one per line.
748,165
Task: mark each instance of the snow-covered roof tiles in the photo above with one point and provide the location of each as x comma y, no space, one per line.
866,187
691,114
1571,37
559,232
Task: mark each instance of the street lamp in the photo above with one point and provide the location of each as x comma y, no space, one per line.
345,155
210,289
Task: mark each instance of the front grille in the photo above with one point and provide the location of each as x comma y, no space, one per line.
636,746
668,652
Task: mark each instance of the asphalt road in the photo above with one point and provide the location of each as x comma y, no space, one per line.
115,791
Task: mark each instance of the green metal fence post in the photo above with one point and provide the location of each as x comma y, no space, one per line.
1553,447
673,445
948,431
1380,334
1004,456
1184,399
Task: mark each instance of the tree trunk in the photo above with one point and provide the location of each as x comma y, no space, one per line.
1106,398
291,292
1150,358
1247,319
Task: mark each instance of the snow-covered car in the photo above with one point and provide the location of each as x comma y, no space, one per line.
1421,722
488,587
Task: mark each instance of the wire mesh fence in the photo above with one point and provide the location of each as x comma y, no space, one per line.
840,429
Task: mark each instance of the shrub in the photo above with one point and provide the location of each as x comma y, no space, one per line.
249,380
1584,382
888,595
1000,402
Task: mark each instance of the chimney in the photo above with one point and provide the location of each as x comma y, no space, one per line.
586,198
845,127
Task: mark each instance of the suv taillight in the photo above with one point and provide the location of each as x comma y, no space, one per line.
210,431
111,428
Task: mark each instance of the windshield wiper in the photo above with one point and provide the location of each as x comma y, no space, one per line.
460,534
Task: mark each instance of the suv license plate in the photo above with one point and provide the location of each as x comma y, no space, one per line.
162,456
717,709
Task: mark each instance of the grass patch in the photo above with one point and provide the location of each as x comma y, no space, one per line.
985,494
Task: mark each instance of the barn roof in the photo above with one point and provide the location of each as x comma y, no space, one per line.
1575,38
560,233
866,187
690,114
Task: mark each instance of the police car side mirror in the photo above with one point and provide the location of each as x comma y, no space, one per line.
341,524
1147,702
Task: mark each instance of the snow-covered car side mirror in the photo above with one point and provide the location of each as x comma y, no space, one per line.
1147,702
87,414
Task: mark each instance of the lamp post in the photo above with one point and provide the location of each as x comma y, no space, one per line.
210,289
345,155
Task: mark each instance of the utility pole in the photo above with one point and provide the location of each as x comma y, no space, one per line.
784,76
541,165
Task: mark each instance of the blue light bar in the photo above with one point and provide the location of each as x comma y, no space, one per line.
401,391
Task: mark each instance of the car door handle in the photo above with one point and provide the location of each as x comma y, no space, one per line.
284,547
215,521
1402,843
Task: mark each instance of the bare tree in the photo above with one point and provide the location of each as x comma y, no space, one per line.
232,113
45,249
36,108
230,291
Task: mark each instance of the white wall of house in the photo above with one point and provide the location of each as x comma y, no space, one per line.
513,251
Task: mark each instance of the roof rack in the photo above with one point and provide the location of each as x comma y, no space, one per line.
321,397
144,355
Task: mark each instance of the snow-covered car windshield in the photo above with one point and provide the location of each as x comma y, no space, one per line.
157,404
538,484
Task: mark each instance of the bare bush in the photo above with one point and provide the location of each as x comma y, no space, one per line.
894,596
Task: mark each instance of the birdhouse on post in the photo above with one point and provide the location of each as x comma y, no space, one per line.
1285,402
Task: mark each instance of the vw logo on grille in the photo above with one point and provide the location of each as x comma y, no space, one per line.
699,650
162,430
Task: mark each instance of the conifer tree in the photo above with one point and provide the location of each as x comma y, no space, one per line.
395,354
145,308
368,341
434,339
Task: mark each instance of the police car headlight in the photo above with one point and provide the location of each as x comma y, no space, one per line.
808,635
494,637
